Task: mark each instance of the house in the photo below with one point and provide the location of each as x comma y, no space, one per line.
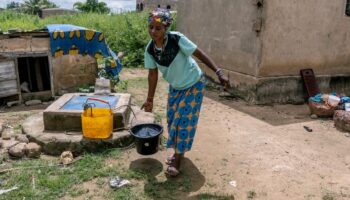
263,45
55,11
152,4
29,70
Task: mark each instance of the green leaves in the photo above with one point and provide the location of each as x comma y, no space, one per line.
92,6
34,6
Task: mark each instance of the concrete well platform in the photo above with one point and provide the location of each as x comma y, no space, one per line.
55,142
59,118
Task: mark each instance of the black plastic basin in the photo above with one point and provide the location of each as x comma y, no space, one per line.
147,138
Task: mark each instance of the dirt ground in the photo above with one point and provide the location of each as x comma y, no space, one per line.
263,151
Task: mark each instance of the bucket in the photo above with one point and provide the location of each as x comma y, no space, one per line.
147,137
97,123
333,100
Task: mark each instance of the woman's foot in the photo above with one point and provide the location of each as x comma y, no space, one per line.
172,171
171,159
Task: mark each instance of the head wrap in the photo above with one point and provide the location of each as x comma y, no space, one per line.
161,15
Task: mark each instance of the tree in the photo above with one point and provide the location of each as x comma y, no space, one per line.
12,5
34,6
92,6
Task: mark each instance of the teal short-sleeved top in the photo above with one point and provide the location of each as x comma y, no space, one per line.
179,69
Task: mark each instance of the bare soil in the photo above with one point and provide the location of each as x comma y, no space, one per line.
264,150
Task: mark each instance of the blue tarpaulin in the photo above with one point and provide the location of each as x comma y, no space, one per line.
77,102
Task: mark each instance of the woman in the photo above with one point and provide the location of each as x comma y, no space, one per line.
170,53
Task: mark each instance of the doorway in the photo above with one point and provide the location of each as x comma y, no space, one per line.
34,74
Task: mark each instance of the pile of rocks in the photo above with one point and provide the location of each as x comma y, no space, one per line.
16,145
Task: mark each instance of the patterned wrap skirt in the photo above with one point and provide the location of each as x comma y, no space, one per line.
183,114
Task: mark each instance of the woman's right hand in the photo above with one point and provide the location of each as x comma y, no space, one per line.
147,106
223,80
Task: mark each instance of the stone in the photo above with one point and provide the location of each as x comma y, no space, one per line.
66,158
347,134
32,102
321,109
22,138
12,103
9,143
33,150
1,143
18,150
313,116
342,120
25,87
7,133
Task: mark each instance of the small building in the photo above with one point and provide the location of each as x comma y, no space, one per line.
263,45
152,4
29,71
55,11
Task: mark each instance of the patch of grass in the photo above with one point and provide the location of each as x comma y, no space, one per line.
121,86
328,197
126,193
163,141
207,196
251,194
210,184
140,82
134,174
53,182
18,127
158,117
100,181
76,192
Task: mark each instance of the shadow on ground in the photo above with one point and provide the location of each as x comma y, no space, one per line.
276,114
190,180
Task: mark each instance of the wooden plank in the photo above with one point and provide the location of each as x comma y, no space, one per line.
8,88
7,70
310,82
30,33
18,83
8,94
51,74
8,78
43,95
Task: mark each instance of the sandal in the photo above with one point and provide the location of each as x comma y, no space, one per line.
172,171
170,160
